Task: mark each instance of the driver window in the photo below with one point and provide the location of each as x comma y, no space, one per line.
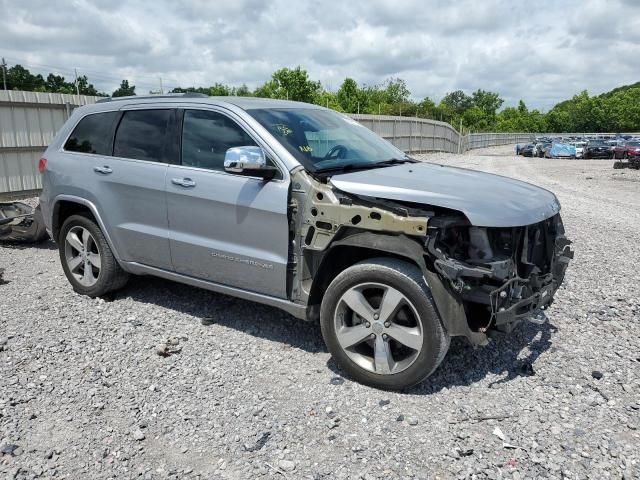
207,135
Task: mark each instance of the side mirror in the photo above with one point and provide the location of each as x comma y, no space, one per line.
250,161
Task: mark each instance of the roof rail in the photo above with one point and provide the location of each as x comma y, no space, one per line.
142,97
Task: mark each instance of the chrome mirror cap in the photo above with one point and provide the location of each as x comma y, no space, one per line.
243,159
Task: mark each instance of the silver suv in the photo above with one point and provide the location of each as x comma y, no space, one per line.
301,208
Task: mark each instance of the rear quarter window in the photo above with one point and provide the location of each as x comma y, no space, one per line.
92,134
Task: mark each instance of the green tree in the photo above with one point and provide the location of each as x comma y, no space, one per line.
20,78
292,84
488,102
58,84
396,91
219,90
427,108
124,90
241,91
456,102
86,88
348,95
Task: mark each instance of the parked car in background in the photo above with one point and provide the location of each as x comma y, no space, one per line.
579,148
302,208
546,150
628,149
561,150
527,150
597,149
540,149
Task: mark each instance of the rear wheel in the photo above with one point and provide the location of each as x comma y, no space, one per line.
381,326
87,259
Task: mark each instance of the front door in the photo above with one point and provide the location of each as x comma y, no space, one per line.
225,228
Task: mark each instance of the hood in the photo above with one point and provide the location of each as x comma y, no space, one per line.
487,200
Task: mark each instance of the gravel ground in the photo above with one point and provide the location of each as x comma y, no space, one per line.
171,381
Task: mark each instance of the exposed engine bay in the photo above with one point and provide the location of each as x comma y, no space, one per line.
482,278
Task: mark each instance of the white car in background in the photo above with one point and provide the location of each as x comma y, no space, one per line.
579,148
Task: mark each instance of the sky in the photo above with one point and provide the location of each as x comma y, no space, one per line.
542,52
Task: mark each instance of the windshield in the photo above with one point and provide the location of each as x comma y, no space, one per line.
324,140
633,144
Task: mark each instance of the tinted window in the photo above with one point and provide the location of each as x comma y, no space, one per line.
206,137
141,135
92,134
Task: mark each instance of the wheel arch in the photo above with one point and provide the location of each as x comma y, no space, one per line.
352,249
66,205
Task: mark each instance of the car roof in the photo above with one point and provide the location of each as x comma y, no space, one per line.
244,103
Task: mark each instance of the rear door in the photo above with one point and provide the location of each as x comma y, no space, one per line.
125,178
223,227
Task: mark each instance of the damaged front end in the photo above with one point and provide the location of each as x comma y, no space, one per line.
481,278
501,275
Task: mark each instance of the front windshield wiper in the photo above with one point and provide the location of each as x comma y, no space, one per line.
347,167
396,161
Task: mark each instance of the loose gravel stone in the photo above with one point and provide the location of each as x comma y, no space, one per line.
80,376
287,465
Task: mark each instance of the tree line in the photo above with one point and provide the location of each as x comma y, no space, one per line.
480,111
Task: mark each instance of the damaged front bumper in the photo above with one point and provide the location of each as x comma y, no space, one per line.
495,295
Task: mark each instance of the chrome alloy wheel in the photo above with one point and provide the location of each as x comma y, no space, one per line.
378,328
82,256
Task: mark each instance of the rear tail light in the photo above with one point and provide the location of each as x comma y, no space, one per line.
42,165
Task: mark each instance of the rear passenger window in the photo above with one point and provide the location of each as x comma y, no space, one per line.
141,135
206,137
92,134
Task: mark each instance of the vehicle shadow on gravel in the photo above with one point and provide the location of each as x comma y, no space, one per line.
507,356
212,308
44,245
513,354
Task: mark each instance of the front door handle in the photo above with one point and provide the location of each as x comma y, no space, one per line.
183,182
106,170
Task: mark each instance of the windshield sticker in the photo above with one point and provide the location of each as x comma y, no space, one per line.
305,148
283,129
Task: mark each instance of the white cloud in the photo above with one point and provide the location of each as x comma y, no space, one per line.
541,52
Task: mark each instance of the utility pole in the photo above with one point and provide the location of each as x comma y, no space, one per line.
77,86
4,73
358,108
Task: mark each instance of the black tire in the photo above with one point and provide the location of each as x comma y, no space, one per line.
407,279
111,277
618,165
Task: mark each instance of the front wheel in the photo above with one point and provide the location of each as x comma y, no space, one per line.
87,259
381,326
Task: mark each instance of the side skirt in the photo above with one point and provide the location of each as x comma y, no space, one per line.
298,311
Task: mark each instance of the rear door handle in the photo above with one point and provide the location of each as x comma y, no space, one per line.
183,182
103,170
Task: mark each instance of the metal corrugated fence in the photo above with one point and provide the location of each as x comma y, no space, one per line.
30,120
